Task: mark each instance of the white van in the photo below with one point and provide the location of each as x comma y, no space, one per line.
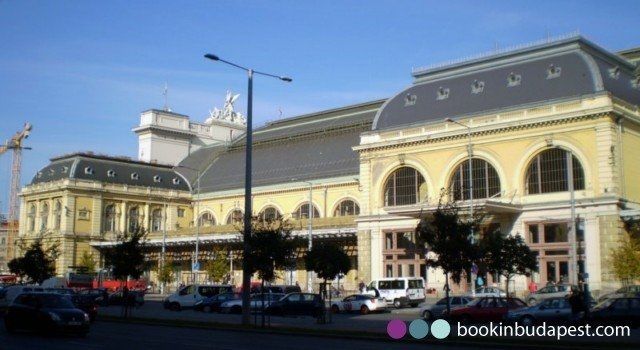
399,291
189,295
9,293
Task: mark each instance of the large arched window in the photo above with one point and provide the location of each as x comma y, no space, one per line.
486,183
109,218
269,214
206,219
44,217
32,218
156,220
57,214
347,208
548,172
134,219
303,212
404,186
235,217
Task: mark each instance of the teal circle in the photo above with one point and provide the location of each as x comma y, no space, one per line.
419,328
440,329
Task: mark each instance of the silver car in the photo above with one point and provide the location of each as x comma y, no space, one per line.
255,303
624,291
488,292
558,291
549,310
434,311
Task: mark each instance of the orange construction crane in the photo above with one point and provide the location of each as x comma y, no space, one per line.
15,143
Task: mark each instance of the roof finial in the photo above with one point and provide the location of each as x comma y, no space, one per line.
165,93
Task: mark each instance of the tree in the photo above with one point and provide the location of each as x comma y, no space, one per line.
327,261
165,272
87,264
218,268
625,260
448,237
507,256
126,258
37,264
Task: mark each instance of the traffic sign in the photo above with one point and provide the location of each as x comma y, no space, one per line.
196,266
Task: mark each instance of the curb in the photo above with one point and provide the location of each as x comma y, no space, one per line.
371,336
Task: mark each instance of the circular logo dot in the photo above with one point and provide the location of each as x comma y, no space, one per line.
440,329
396,329
419,328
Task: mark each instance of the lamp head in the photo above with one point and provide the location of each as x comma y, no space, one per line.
287,79
212,57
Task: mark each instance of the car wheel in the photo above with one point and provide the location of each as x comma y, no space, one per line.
397,304
531,301
527,321
335,309
364,309
174,307
207,308
426,315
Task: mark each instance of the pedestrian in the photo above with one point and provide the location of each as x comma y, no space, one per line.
361,287
533,287
577,303
551,283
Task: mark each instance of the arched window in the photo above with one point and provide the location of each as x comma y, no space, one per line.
486,183
347,208
57,213
548,173
303,212
156,220
206,219
235,217
405,186
269,214
110,218
32,218
134,219
44,217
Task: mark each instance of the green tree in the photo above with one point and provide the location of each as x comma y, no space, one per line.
448,236
218,268
87,264
37,264
126,258
625,260
327,261
507,256
165,272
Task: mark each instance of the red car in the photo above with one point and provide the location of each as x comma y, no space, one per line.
485,309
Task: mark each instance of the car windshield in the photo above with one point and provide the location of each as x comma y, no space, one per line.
604,304
55,302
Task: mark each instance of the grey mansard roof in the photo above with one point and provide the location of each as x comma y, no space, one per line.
583,69
87,166
307,147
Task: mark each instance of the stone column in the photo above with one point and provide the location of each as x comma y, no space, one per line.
123,216
96,216
364,256
592,252
607,160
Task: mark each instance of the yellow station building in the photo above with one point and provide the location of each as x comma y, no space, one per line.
553,130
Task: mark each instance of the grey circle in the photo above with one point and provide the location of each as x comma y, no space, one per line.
418,328
440,329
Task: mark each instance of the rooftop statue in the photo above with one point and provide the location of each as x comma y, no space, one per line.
227,113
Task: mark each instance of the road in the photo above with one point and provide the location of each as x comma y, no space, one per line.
106,335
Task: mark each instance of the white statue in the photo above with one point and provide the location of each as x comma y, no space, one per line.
227,113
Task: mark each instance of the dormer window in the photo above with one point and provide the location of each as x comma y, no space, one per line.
614,73
39,174
157,178
410,100
553,71
111,173
443,93
88,170
51,172
477,87
176,181
514,79
64,169
135,176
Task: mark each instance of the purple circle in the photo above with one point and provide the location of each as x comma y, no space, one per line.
396,329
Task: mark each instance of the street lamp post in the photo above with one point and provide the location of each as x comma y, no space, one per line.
470,153
246,278
195,265
309,231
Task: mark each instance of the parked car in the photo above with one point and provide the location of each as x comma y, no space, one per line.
624,291
45,312
485,309
93,292
8,294
255,303
552,310
87,304
399,291
618,310
561,290
434,311
61,291
212,304
189,295
488,292
361,303
297,304
283,289
116,298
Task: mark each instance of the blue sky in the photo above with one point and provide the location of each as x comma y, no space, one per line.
82,71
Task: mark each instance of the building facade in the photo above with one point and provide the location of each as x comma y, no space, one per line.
551,129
